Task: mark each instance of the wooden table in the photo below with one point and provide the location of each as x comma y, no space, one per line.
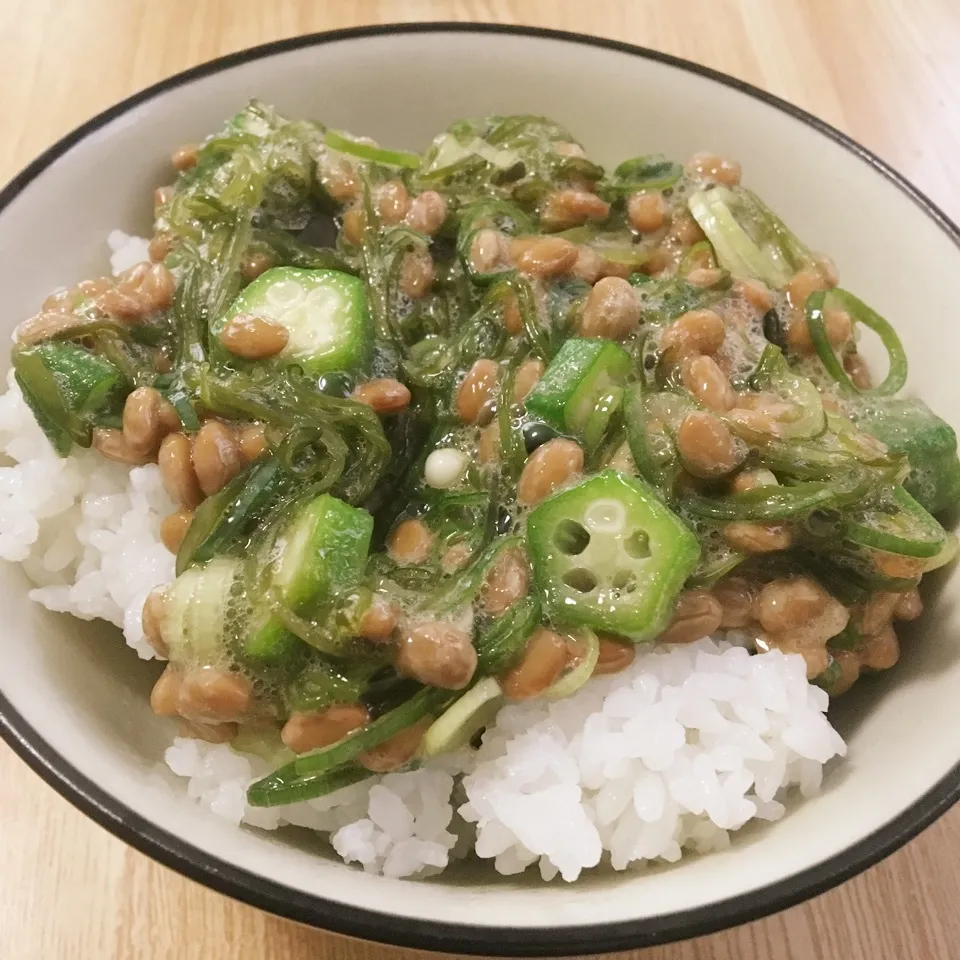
885,71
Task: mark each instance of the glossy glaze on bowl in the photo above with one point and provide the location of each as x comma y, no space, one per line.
73,701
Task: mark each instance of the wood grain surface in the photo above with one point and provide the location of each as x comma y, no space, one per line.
885,71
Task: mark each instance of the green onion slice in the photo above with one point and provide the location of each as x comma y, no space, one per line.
389,158
860,312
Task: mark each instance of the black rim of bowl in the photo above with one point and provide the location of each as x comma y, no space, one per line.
408,931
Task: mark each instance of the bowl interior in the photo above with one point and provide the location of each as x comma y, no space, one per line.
84,695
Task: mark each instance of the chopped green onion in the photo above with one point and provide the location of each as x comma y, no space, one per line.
902,527
504,216
806,418
779,503
227,517
715,562
849,638
365,151
512,451
582,670
194,623
456,727
653,172
503,640
451,157
309,775
948,553
467,584
735,249
654,450
860,312
698,256
830,676
527,305
307,787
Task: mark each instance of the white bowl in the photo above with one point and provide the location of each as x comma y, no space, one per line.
74,700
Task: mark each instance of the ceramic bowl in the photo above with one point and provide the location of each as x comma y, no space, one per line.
73,699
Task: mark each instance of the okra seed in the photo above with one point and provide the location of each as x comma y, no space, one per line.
285,294
625,581
637,545
445,467
571,538
605,516
580,579
536,433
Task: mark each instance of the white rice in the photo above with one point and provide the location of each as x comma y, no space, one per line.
670,756
126,250
86,530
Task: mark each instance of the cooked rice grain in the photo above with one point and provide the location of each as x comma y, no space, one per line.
669,757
